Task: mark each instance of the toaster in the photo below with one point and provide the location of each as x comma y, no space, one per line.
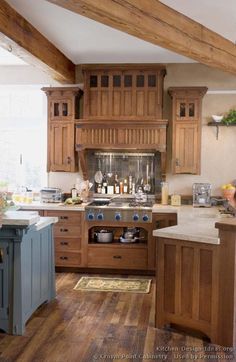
202,195
50,194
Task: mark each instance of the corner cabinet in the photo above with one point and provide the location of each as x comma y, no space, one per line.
186,128
63,109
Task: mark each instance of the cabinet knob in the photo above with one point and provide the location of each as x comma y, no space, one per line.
117,257
64,242
177,162
64,230
63,217
63,257
68,160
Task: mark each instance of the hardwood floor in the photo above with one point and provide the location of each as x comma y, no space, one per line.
91,326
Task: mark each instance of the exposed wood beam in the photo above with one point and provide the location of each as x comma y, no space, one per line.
19,37
159,24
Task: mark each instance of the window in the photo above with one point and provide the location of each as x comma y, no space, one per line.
23,136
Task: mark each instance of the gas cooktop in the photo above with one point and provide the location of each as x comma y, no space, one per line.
115,210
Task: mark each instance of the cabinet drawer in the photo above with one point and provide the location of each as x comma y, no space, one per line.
67,244
67,230
117,258
68,217
67,258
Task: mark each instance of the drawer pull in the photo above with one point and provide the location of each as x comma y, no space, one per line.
117,257
64,230
64,257
1,256
63,217
64,243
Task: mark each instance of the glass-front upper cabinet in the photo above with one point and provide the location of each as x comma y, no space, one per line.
187,109
123,91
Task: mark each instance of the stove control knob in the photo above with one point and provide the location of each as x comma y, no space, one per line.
135,217
145,217
100,216
91,216
118,217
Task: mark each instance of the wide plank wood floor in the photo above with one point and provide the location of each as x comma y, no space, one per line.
99,326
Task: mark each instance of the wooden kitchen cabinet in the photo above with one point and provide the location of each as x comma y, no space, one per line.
186,128
131,91
187,285
68,238
61,149
63,109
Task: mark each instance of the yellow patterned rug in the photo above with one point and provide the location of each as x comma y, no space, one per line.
114,285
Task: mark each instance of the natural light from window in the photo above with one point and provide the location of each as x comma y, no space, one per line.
23,136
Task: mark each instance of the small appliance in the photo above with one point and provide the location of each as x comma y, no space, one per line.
202,195
50,194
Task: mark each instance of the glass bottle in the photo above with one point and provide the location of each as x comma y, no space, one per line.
164,193
117,185
104,184
125,186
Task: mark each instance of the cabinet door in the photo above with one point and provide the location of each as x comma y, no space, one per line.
61,147
186,148
4,282
60,109
187,109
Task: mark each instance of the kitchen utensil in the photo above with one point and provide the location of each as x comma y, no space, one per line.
132,240
130,233
98,174
104,236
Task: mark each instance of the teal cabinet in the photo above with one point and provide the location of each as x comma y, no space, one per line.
27,274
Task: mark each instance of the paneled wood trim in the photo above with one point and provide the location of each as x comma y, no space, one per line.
152,21
26,42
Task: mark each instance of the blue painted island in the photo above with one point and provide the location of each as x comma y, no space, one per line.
27,272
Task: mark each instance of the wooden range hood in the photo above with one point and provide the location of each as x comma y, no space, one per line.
122,109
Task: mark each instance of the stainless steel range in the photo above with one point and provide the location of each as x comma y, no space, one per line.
119,210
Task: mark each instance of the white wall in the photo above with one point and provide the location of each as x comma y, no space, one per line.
218,157
24,74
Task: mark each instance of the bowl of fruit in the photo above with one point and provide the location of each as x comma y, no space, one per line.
228,191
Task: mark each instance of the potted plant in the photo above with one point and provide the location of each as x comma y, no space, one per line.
230,117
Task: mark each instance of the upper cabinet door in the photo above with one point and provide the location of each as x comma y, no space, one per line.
60,109
187,109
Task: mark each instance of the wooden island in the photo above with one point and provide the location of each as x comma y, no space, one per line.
196,278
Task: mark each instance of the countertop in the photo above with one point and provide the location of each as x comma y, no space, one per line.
35,205
194,224
27,218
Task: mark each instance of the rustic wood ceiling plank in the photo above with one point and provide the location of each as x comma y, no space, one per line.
18,36
152,21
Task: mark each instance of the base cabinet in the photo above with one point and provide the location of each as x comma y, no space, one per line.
68,237
187,285
117,257
26,274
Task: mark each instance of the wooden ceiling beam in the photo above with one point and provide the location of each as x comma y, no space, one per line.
152,21
19,37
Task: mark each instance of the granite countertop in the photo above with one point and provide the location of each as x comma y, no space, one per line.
194,224
20,218
36,205
45,221
26,218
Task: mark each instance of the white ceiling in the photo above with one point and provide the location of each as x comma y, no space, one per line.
85,41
